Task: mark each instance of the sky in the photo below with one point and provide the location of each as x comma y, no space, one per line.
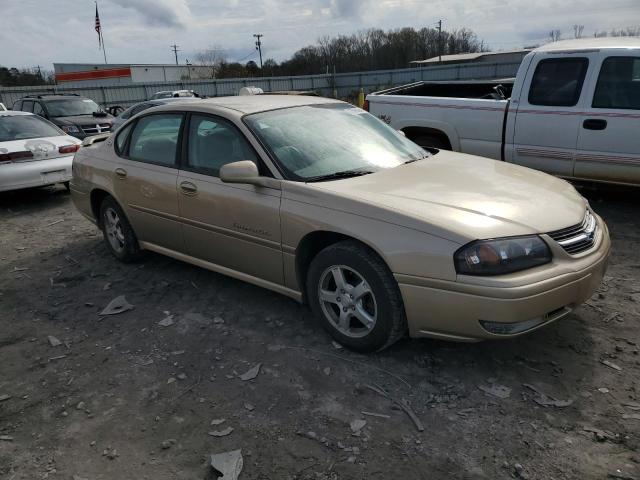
41,32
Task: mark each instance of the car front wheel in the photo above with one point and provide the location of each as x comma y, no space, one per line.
118,235
355,297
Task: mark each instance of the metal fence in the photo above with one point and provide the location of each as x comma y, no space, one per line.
343,85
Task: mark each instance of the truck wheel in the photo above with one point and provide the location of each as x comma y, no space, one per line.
355,297
119,237
431,141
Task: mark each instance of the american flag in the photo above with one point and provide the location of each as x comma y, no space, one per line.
98,30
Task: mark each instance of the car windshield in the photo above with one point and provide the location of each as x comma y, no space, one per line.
19,127
72,106
315,141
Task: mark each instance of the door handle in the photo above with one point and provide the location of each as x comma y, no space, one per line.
188,188
121,173
594,124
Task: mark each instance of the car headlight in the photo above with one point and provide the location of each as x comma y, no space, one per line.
70,129
501,256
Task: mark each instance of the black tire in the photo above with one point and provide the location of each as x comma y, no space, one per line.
390,323
126,237
431,141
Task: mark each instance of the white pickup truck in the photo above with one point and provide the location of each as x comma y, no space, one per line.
573,111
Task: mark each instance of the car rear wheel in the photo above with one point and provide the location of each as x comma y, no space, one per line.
355,297
118,235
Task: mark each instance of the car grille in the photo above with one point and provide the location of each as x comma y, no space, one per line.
577,238
98,128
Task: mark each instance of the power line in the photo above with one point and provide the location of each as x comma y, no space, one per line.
247,56
175,49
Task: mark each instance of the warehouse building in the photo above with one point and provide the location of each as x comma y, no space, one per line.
512,56
90,75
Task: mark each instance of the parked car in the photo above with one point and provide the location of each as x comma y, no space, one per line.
573,111
320,201
33,152
142,106
75,115
173,94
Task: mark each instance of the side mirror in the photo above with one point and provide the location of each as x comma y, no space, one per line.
246,171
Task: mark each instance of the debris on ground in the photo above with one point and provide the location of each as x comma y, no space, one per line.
166,321
601,435
4,397
116,306
218,320
518,469
6,438
496,390
221,433
402,403
227,465
336,345
373,414
611,365
357,425
545,400
167,444
251,373
53,341
249,406
217,421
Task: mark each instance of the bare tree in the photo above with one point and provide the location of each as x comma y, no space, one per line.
577,31
555,35
213,58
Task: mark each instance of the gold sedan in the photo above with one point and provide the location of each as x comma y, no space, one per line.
321,201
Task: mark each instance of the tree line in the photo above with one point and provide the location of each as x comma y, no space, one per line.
373,49
14,77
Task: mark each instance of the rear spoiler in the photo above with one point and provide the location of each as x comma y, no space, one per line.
101,137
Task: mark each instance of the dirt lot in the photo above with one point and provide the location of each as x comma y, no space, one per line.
101,404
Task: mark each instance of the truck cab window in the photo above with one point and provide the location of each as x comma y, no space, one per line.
618,84
558,82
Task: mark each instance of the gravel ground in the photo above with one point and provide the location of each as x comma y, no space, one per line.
123,397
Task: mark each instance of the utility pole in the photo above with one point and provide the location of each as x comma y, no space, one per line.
175,49
439,41
259,47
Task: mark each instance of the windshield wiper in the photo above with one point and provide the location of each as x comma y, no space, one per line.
416,159
338,175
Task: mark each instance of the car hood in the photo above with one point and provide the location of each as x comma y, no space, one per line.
82,120
464,197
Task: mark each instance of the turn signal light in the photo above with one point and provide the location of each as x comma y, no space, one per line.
69,149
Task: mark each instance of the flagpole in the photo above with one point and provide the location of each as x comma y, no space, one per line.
99,30
104,52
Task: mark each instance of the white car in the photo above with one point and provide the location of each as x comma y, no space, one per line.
33,152
573,111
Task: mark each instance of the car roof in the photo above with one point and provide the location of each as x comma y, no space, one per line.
591,44
259,103
12,113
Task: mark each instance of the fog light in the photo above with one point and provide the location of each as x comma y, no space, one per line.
500,328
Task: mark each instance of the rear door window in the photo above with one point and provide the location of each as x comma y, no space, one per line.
27,106
618,84
558,82
155,139
37,109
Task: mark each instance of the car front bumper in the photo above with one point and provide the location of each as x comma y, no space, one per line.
472,311
35,173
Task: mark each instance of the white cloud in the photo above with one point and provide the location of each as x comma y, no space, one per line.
43,32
